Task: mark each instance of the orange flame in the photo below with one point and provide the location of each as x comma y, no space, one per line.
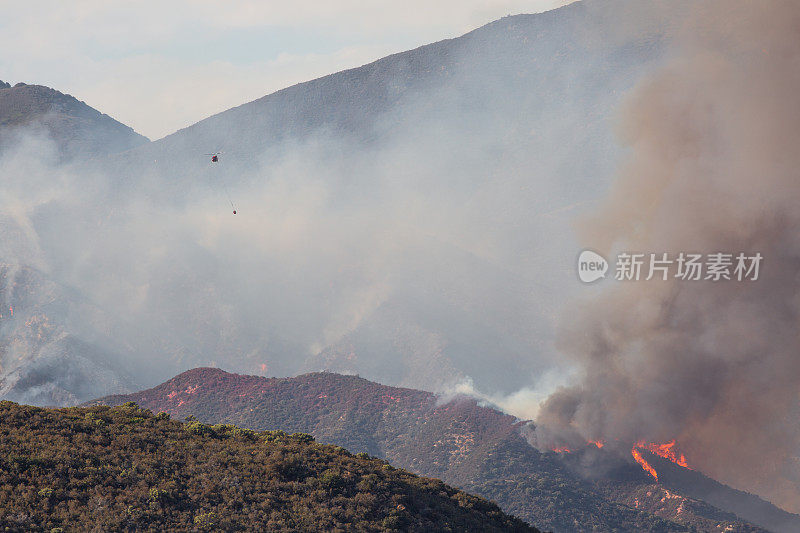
666,451
645,465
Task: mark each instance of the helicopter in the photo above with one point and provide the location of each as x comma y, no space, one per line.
215,159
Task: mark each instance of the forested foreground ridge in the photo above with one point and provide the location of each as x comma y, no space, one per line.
124,469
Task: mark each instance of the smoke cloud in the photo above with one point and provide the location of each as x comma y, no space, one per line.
712,167
408,221
420,256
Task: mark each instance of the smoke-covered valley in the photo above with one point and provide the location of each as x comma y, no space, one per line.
407,220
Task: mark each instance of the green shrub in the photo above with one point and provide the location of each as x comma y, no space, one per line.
273,436
305,438
158,495
243,433
331,480
198,428
392,522
205,520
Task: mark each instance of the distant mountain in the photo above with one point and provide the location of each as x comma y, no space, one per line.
78,130
126,469
55,344
568,68
474,447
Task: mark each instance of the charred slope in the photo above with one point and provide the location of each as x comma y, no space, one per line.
78,130
474,447
126,469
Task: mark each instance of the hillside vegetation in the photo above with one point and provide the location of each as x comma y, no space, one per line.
476,448
123,468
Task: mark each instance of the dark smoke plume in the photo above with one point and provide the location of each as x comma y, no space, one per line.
714,165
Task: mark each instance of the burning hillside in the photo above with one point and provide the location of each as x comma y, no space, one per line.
666,451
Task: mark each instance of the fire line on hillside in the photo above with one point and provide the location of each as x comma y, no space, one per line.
666,451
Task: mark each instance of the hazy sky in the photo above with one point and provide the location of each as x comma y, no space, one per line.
162,65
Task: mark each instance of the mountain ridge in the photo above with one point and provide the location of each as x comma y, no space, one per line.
455,439
78,130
